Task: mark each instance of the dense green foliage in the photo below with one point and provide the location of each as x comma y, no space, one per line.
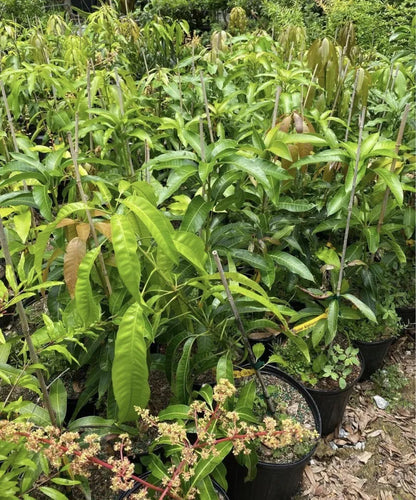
129,152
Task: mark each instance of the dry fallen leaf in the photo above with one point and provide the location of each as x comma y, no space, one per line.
365,457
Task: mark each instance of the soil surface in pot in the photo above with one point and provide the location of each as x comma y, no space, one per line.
289,403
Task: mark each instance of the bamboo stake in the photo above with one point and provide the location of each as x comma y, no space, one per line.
204,93
25,327
276,105
146,160
121,104
9,117
244,335
74,156
315,69
354,91
351,202
89,101
393,165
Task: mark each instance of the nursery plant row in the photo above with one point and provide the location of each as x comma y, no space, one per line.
235,213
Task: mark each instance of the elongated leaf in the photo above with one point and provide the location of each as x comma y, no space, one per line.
338,201
125,249
206,490
295,206
52,493
313,139
43,201
206,466
250,166
333,311
156,223
35,414
254,260
90,423
280,149
293,264
196,215
274,308
332,155
22,223
373,238
58,399
368,313
129,372
393,182
225,368
75,252
191,247
87,307
182,371
175,412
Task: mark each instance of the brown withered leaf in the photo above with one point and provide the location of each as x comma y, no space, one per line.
75,252
365,457
66,222
104,228
83,231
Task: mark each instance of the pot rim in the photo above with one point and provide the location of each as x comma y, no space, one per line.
312,406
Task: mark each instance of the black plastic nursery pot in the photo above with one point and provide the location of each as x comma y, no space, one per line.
407,316
373,354
332,404
272,481
125,495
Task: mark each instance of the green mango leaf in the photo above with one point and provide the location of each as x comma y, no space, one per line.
368,313
196,215
206,466
293,264
52,493
86,305
250,166
295,206
329,256
333,311
314,139
329,155
182,371
58,397
22,223
191,247
125,250
225,368
373,238
206,489
43,201
280,149
254,260
91,422
130,372
156,223
34,413
338,201
175,412
393,182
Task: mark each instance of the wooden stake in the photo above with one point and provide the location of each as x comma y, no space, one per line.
25,327
276,105
351,202
121,104
244,335
204,93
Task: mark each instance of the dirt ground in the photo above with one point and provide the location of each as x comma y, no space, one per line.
373,455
